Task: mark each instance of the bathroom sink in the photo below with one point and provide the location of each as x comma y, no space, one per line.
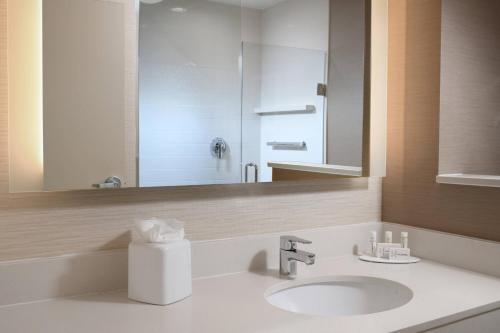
339,295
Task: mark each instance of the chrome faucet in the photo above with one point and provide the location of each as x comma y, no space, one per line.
289,255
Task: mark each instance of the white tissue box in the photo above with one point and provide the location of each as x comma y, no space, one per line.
159,273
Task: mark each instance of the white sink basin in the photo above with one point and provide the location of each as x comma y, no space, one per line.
339,295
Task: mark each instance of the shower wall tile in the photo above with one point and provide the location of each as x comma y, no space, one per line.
190,92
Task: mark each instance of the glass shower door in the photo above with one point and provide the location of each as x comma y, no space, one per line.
189,92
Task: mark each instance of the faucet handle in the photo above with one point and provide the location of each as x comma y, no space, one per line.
290,242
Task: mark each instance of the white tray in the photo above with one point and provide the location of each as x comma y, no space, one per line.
400,260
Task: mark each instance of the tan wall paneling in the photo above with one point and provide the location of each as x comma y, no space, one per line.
410,193
470,88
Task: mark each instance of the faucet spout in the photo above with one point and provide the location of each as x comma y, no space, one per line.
302,256
289,255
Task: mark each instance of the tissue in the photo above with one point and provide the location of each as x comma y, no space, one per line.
158,231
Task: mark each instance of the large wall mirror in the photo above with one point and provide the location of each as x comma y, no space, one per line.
185,92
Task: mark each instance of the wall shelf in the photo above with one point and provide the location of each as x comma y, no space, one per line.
342,170
469,179
284,109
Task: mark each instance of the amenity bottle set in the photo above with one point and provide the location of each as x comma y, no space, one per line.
387,251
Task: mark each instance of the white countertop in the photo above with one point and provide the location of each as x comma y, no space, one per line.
235,304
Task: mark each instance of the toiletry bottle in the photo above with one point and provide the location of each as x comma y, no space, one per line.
373,243
388,237
404,240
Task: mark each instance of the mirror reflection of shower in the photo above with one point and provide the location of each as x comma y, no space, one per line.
220,80
283,115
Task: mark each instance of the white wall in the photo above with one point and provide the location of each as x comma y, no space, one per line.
293,63
289,77
251,63
251,96
297,23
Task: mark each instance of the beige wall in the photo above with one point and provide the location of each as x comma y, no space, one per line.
410,193
89,101
94,115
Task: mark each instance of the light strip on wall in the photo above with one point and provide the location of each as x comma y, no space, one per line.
39,47
25,95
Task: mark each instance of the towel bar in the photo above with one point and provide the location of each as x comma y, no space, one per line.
287,145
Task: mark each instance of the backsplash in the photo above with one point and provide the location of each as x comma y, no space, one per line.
49,224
